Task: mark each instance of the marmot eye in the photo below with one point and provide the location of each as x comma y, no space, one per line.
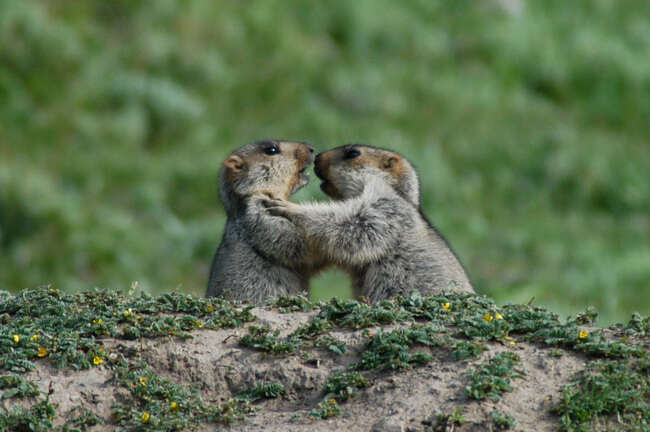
271,150
351,154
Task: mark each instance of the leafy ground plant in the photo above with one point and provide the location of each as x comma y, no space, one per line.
492,378
608,388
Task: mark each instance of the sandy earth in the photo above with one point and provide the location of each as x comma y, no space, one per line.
396,401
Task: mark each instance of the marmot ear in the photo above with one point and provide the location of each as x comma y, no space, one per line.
390,161
234,163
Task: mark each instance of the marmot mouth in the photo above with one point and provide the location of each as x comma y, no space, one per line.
330,190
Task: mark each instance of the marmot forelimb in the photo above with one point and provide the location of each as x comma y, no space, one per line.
377,230
261,255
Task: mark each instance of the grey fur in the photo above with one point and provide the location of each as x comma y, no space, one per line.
261,255
377,232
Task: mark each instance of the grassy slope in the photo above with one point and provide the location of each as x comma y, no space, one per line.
530,133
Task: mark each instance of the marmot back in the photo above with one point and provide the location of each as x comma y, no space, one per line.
376,230
260,255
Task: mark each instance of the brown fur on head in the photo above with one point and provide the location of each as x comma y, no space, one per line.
345,170
270,167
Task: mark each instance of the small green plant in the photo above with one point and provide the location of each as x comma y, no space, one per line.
392,350
37,418
326,409
334,345
492,378
264,391
293,304
345,385
619,388
161,403
465,349
502,421
16,386
83,420
263,339
445,422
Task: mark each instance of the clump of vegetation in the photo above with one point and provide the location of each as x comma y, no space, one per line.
619,388
264,391
326,409
639,326
465,349
444,422
16,386
332,344
159,403
263,339
392,350
492,378
352,314
293,304
345,385
502,421
37,418
84,419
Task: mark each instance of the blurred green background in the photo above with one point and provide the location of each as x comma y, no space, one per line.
528,122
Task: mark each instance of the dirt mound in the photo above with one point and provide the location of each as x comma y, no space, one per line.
101,361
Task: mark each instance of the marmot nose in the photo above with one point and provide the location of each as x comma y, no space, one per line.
309,147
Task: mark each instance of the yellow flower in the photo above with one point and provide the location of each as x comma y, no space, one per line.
145,417
512,343
174,406
498,316
143,380
35,338
128,313
584,334
16,338
98,321
42,352
97,360
446,307
199,325
488,317
209,309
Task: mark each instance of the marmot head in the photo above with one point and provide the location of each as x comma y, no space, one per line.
346,170
274,168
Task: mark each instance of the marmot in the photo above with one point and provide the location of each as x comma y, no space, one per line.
377,230
261,255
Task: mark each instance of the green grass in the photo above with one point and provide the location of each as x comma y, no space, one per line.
529,131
